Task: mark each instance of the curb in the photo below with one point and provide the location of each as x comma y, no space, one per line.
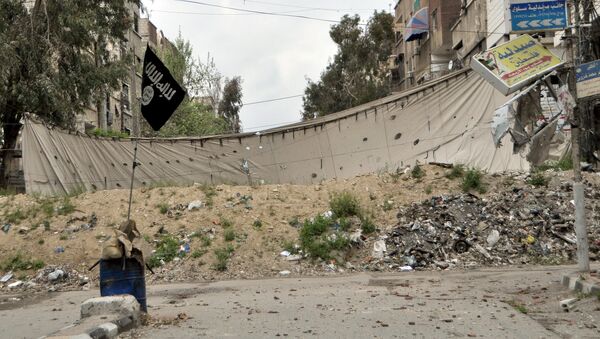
575,282
106,330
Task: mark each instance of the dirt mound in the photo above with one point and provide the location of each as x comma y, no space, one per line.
224,232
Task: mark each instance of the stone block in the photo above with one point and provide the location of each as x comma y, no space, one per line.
113,305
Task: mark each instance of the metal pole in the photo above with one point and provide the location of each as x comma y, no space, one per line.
583,260
135,147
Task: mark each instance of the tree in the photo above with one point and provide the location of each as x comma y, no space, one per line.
231,103
195,116
357,73
55,61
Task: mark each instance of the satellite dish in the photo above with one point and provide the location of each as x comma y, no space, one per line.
450,65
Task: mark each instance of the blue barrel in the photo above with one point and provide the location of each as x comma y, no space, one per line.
116,280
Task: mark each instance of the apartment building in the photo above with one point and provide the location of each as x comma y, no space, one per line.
423,46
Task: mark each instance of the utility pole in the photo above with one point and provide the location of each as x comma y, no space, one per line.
583,260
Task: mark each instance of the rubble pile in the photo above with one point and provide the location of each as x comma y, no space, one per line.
518,226
51,278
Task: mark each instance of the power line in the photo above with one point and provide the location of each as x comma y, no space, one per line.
271,100
259,12
284,14
310,8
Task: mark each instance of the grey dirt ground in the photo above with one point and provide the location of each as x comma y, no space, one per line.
521,302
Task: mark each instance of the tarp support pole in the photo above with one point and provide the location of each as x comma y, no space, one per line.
135,147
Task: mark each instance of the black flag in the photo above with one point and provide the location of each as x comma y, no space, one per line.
161,94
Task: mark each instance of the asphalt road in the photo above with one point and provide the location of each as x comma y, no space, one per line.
512,303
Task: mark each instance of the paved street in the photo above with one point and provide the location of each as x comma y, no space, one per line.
484,303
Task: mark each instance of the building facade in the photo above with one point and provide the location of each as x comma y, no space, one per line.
423,46
120,110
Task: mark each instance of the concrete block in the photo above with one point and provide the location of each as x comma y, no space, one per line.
110,329
565,280
578,285
113,305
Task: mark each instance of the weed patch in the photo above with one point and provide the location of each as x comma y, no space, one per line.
344,204
19,262
457,171
166,250
229,235
538,179
473,180
223,255
163,208
417,172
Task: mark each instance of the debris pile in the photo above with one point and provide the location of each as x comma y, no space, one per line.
517,226
51,278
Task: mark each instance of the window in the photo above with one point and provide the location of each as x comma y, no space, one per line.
136,24
125,97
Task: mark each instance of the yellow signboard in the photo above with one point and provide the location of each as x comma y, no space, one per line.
517,62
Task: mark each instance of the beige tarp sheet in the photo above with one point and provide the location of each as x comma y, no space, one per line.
447,120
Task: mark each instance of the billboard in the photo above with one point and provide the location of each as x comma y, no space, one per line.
588,79
515,64
537,15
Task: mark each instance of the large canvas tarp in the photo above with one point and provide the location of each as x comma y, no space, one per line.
447,120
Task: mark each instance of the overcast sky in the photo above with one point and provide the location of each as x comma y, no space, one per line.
273,54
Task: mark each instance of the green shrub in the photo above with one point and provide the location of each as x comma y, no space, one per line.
344,204
166,250
564,164
428,189
344,224
163,208
223,255
367,225
538,179
257,224
472,180
417,172
99,132
205,241
209,193
457,171
229,235
318,240
15,217
198,253
18,262
225,223
66,207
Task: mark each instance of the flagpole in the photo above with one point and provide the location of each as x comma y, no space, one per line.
135,147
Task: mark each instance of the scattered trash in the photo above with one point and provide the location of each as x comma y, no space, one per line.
493,238
406,269
6,277
378,248
294,257
328,214
517,225
196,204
285,273
23,230
285,254
59,249
184,249
356,236
6,228
16,284
56,275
